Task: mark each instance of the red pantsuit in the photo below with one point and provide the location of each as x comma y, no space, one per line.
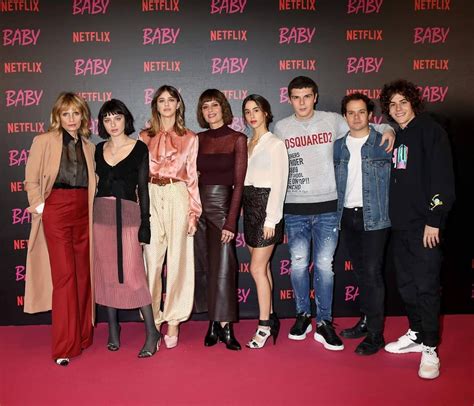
66,228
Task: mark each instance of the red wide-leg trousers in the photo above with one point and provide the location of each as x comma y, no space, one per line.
66,228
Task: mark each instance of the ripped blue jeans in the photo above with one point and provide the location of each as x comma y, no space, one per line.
322,231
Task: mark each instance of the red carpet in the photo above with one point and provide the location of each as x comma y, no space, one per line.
290,373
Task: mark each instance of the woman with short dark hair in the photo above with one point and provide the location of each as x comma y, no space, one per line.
222,163
121,226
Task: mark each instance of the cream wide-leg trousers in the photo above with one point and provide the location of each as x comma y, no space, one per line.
169,207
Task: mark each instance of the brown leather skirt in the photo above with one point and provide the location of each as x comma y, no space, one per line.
215,263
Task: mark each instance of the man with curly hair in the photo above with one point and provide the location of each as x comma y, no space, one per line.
421,194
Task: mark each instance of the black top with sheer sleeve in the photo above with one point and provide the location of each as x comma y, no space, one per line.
127,180
222,160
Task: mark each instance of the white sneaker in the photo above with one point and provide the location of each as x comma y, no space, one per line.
404,344
64,362
429,365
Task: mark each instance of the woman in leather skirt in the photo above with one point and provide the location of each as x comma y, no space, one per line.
264,195
221,163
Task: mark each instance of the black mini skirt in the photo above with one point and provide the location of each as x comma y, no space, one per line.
255,205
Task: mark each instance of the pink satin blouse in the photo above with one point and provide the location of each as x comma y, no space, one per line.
174,156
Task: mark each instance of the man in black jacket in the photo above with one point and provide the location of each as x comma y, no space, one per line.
421,194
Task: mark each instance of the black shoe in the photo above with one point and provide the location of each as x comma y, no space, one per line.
358,331
212,335
64,362
114,345
226,335
274,326
326,335
301,327
371,344
149,351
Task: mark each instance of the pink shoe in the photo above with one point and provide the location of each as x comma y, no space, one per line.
171,341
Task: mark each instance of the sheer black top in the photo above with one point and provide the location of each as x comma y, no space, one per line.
127,180
222,160
73,167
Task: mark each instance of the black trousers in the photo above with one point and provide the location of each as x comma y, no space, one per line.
418,278
215,263
366,250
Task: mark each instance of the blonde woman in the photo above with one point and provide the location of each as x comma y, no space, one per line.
175,208
60,182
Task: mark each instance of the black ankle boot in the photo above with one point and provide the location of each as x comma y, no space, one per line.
371,344
226,335
212,335
358,331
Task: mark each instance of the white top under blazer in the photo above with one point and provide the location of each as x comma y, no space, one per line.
268,168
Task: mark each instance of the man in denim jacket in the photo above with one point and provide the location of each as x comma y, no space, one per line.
311,206
362,169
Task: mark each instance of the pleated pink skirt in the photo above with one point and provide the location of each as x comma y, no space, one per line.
133,292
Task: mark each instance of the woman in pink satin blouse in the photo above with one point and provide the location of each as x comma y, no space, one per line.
175,208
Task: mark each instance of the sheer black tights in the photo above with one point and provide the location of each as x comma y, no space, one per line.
152,334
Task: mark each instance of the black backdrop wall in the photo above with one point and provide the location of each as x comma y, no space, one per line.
126,49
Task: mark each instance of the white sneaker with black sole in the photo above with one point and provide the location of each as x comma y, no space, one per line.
405,344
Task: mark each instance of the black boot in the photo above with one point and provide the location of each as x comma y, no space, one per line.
371,344
226,335
358,331
212,335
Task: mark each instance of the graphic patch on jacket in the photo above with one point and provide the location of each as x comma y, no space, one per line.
400,157
435,202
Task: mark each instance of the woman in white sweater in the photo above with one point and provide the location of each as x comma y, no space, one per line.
264,195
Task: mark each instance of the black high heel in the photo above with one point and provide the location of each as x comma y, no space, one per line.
144,353
112,346
226,335
274,326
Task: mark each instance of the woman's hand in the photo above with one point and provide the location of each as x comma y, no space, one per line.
268,232
191,230
227,236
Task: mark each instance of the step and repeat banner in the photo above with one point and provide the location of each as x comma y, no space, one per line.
126,49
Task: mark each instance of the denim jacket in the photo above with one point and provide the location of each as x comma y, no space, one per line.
375,180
